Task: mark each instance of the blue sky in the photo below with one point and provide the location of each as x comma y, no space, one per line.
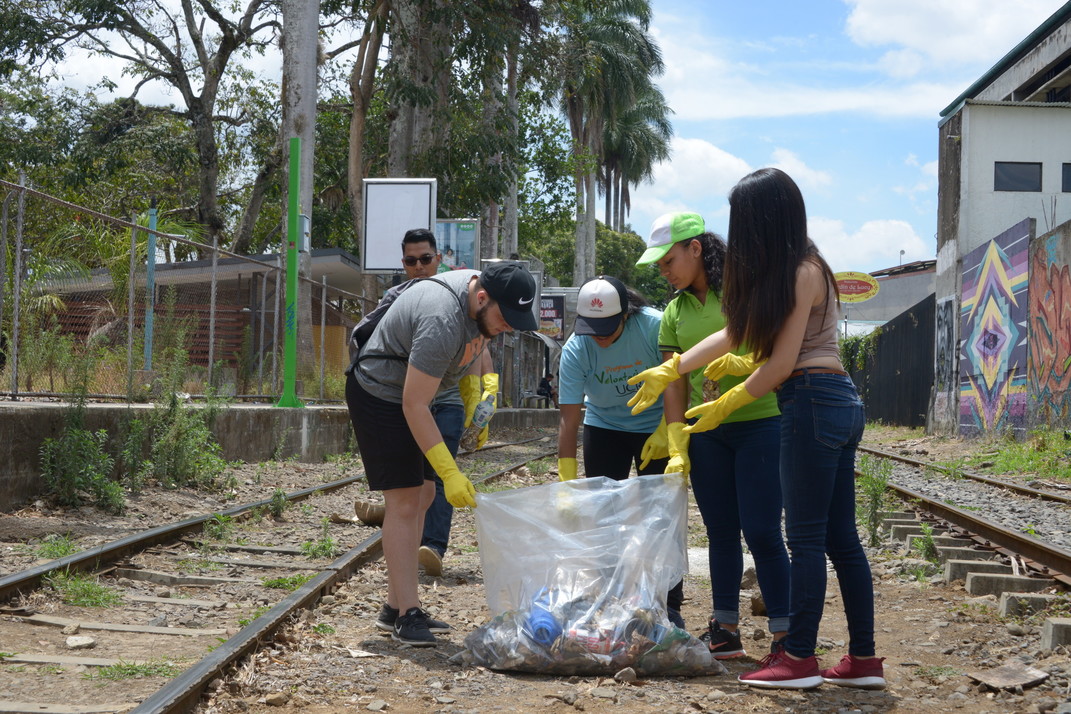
844,95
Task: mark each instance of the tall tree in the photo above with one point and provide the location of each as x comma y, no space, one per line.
189,48
607,61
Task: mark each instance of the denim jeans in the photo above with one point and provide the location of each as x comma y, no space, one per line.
822,422
450,418
737,488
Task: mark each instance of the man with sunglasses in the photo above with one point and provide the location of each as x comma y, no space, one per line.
452,410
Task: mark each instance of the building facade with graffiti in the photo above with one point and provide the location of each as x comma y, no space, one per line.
1002,342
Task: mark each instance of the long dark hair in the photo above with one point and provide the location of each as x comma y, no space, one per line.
767,242
636,301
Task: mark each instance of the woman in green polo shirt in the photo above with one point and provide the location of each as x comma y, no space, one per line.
734,468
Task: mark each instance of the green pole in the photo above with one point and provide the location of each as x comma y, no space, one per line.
150,287
293,226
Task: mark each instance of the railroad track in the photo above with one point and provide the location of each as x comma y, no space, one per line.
1003,523
241,595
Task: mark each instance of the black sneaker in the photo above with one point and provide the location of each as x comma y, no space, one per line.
389,615
722,643
412,629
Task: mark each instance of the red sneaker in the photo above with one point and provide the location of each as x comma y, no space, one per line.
779,671
856,672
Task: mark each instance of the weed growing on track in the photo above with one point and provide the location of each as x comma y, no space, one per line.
325,547
278,504
129,670
872,493
925,545
78,461
288,582
218,527
323,629
1044,452
244,622
82,590
53,546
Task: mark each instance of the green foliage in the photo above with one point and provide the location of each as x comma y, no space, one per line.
128,670
1045,452
55,545
244,621
323,628
78,461
873,485
857,350
288,582
279,503
219,527
82,590
325,547
925,545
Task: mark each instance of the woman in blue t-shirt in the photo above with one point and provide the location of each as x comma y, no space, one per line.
614,338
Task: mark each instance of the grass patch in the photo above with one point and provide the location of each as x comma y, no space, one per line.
196,565
323,629
243,622
82,590
1044,452
127,670
51,546
289,582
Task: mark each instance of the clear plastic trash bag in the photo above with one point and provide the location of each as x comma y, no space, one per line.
577,574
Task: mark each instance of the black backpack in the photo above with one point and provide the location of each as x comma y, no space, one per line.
364,329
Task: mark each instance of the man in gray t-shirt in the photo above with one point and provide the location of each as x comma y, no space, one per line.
424,343
452,409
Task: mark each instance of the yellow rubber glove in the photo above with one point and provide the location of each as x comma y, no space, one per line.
457,489
678,449
656,447
469,386
490,388
713,413
730,364
566,469
654,381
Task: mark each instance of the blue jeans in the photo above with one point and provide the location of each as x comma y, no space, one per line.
736,485
822,422
450,418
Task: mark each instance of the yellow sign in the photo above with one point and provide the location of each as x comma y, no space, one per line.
855,287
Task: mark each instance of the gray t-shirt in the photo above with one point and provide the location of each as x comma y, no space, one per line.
429,325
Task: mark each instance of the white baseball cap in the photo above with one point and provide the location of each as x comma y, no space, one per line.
668,229
600,306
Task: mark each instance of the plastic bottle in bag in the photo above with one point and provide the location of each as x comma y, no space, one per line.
480,417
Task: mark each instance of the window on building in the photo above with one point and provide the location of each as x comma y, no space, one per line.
1017,176
1067,179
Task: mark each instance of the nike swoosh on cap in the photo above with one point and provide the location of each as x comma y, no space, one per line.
525,302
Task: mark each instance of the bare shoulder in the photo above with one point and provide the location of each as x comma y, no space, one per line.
811,286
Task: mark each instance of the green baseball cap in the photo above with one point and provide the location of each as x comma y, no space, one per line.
668,229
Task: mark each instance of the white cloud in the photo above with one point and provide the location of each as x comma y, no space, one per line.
944,32
874,245
804,175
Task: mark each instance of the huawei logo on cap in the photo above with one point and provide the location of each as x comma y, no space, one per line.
596,304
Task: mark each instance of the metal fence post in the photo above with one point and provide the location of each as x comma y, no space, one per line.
3,257
130,310
275,326
16,314
323,333
212,310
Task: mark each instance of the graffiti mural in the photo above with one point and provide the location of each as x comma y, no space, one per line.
993,353
1049,370
944,367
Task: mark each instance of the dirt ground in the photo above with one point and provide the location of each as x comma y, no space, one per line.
932,635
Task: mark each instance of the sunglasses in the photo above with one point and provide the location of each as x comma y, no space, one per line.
425,259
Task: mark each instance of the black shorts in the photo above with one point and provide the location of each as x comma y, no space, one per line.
389,452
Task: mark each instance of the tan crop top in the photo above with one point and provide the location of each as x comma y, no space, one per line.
820,337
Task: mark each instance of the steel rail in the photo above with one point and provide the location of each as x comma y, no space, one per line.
1025,490
1050,560
184,692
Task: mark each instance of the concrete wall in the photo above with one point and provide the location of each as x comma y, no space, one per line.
1023,72
896,294
1032,133
942,417
246,433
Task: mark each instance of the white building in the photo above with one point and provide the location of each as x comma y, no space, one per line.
1004,157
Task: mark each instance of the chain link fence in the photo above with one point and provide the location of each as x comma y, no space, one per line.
110,308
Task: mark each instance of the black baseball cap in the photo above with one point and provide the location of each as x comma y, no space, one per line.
514,289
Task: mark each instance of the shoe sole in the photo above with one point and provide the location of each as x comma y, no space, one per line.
728,655
413,643
801,683
429,560
858,682
388,629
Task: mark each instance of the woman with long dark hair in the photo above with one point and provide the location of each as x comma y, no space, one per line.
733,467
780,299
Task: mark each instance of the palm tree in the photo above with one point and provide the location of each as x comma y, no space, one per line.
607,61
633,142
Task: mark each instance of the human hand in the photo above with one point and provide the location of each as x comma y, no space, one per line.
457,488
469,386
713,413
656,447
654,381
730,364
678,450
566,469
